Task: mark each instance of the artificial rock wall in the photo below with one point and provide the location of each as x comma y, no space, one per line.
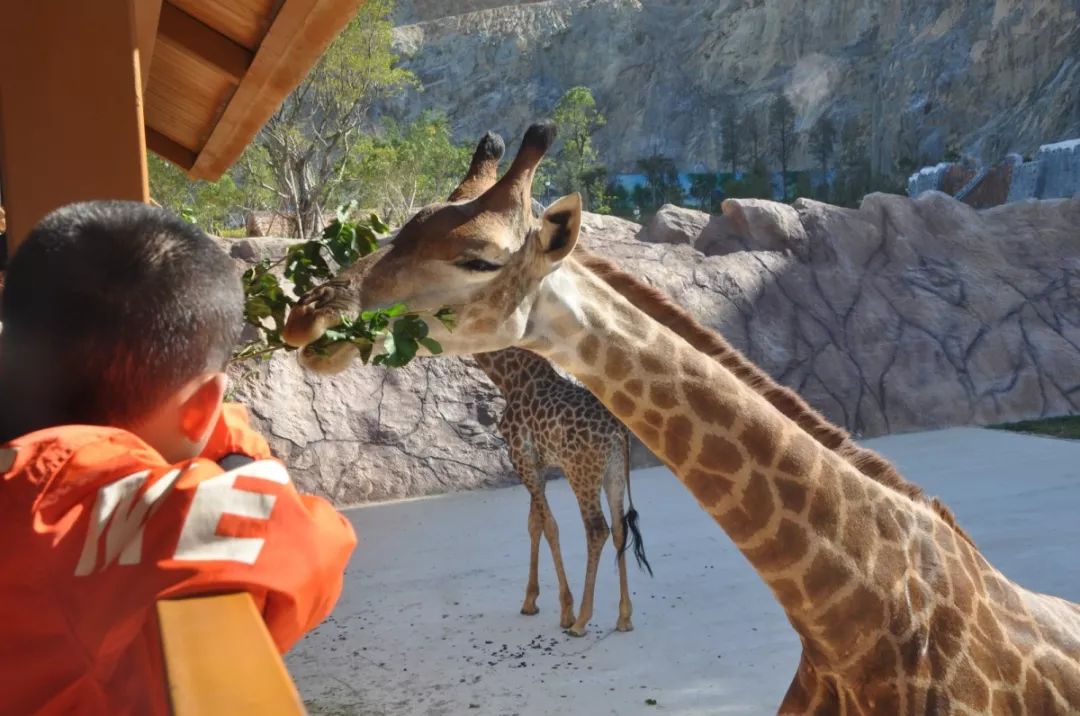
900,315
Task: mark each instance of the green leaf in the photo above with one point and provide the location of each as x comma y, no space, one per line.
256,308
410,326
379,322
336,336
306,265
345,210
377,225
366,241
404,351
447,317
433,346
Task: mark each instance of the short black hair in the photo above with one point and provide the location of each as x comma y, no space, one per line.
109,307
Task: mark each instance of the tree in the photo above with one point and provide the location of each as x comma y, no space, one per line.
576,162
731,154
853,170
803,186
595,182
782,133
754,185
661,181
169,186
823,141
620,200
750,128
407,167
306,143
214,206
822,146
702,187
640,197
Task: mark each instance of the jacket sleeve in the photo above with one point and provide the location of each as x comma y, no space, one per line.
233,435
248,529
158,531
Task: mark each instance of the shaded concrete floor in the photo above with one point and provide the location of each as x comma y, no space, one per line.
429,621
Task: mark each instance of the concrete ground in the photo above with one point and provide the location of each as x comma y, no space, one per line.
429,621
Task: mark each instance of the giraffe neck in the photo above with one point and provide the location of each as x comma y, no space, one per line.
514,369
832,544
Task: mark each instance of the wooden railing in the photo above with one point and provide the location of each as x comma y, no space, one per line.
221,661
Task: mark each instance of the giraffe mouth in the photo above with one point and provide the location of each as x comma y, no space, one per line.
317,311
328,360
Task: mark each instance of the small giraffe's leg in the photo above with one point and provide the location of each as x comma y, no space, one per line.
541,519
566,599
614,486
596,534
536,526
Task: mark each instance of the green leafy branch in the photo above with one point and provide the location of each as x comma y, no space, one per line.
307,264
401,332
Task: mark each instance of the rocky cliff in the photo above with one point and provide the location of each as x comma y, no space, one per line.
901,315
989,77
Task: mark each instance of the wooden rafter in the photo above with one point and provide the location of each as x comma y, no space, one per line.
166,148
203,42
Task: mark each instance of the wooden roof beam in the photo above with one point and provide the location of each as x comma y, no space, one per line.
169,149
203,42
299,35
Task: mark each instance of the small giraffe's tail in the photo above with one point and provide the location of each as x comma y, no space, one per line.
631,533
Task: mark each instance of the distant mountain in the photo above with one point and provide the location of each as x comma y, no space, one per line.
984,77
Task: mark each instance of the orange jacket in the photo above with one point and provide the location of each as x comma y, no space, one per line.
95,527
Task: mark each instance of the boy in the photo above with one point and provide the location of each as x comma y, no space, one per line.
123,478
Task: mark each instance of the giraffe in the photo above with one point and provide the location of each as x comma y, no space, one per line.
896,609
550,420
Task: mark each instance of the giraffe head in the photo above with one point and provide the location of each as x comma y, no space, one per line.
482,253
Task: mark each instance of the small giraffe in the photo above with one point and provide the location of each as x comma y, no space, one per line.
551,421
897,610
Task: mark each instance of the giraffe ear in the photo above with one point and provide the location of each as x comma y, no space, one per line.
559,227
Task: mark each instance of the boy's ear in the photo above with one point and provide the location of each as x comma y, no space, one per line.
559,227
199,412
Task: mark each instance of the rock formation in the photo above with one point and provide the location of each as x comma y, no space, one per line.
1054,173
985,77
901,315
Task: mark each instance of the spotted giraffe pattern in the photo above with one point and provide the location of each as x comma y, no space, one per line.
896,610
551,421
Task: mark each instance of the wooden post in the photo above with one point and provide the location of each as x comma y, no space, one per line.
147,15
71,119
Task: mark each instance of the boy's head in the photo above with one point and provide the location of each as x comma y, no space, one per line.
118,313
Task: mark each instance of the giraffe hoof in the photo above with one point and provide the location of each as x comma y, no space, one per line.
530,610
567,622
624,625
575,631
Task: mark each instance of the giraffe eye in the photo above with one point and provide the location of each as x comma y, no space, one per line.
478,265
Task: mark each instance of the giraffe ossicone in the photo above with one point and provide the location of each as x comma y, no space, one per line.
897,610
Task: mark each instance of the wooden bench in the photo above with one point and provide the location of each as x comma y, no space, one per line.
221,661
